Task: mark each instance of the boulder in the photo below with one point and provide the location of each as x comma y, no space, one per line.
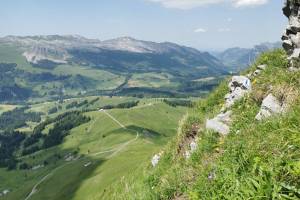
192,148
217,126
239,86
269,107
234,96
240,81
155,160
261,67
224,117
257,72
187,154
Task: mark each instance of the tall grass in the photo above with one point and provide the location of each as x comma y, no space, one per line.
257,160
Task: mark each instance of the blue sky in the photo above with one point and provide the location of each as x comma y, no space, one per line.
203,24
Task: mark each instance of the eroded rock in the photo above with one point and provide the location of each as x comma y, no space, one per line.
155,160
262,67
239,86
192,148
291,35
220,123
269,107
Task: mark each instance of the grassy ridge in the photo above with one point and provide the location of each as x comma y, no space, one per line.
257,160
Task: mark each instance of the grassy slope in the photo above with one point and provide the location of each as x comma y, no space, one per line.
103,80
93,79
5,108
257,160
73,180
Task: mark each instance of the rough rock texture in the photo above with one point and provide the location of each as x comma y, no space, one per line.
239,86
155,160
269,107
192,148
291,36
220,123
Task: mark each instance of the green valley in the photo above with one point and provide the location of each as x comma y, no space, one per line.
96,154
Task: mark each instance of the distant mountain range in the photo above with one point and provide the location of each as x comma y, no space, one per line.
122,53
236,59
56,66
76,65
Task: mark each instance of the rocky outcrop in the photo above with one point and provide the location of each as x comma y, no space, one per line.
192,148
270,106
220,123
258,71
291,36
155,160
239,86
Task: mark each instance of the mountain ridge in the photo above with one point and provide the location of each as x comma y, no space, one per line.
129,65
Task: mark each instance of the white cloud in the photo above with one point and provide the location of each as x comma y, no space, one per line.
229,19
189,4
185,4
242,3
200,30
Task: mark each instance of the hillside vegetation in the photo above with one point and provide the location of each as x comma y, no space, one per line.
257,160
80,152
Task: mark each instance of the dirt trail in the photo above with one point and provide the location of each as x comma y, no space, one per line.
115,151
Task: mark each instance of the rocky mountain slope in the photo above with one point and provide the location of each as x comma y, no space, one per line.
125,65
237,59
67,49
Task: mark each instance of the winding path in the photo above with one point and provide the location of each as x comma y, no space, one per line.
115,151
112,117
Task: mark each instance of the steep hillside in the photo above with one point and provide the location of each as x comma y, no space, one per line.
62,66
257,159
237,59
78,151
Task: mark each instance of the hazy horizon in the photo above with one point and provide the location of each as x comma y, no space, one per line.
210,25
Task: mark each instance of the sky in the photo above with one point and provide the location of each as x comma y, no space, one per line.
202,24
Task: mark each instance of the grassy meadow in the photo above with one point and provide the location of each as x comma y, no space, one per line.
105,151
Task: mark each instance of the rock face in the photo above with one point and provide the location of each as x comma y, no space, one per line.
269,107
239,86
155,160
220,123
192,148
291,36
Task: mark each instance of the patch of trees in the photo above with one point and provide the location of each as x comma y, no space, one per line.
45,76
30,150
129,104
17,118
62,127
45,64
53,110
9,88
9,143
178,102
75,104
94,100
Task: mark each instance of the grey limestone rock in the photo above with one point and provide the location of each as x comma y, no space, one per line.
269,107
